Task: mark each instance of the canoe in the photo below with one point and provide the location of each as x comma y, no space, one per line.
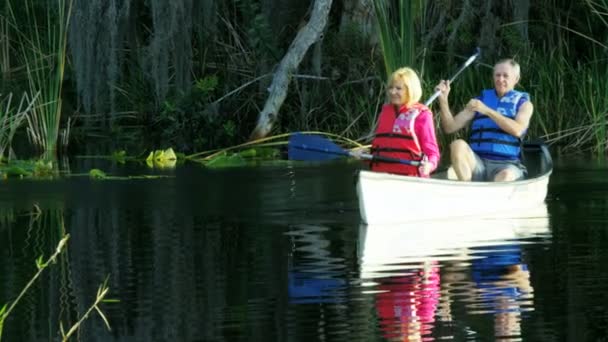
390,199
391,250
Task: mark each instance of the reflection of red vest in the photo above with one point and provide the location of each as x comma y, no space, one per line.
395,138
406,305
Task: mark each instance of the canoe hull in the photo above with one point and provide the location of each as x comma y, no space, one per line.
390,199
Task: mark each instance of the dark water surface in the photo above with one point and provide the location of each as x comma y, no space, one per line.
278,254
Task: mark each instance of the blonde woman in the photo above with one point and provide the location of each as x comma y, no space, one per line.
405,129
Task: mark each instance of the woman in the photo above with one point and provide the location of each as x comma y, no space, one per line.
405,129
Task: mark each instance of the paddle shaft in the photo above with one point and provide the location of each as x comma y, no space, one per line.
464,66
365,156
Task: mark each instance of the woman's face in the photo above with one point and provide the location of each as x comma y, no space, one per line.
396,93
505,78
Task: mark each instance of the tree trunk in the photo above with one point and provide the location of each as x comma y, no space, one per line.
307,36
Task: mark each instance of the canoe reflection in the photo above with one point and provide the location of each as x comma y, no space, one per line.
418,272
383,249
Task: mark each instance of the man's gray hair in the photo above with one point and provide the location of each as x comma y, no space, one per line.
512,63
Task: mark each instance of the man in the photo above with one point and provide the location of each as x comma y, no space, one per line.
499,118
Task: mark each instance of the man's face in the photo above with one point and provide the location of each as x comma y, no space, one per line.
505,78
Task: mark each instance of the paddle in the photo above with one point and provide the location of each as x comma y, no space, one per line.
464,66
316,147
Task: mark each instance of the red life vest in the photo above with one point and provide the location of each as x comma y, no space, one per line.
395,138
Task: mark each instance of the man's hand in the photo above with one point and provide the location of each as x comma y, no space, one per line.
444,88
477,106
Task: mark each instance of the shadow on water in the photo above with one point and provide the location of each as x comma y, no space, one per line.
274,254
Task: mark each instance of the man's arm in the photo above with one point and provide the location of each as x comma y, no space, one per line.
516,127
450,123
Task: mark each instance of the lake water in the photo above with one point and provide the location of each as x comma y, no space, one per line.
279,254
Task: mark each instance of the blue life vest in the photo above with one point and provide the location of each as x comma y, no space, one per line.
487,139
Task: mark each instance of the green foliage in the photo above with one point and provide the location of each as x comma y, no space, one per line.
12,116
119,156
15,171
43,51
191,122
97,174
397,35
247,157
259,33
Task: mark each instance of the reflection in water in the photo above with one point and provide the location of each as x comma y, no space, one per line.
419,271
406,304
278,255
503,286
318,277
26,236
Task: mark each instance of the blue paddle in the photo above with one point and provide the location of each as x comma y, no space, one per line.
314,147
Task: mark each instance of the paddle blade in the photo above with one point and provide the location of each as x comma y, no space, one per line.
310,147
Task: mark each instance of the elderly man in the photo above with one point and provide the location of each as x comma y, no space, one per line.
499,118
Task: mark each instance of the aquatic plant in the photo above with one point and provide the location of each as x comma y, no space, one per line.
162,159
397,35
11,118
102,291
41,265
43,49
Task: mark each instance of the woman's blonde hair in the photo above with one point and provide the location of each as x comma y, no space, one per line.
413,89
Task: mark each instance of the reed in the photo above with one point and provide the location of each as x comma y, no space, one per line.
102,291
396,32
11,118
6,310
5,61
43,49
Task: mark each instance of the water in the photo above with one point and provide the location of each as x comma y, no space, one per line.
278,254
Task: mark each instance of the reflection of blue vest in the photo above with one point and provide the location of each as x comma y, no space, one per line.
487,139
490,271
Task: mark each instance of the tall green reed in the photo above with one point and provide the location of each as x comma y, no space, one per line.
396,31
42,43
11,118
5,61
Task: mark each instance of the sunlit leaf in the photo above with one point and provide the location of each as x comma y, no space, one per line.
150,160
97,174
169,154
40,263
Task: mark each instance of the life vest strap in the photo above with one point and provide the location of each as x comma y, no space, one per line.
481,130
394,135
495,141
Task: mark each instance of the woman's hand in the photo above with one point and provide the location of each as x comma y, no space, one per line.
425,167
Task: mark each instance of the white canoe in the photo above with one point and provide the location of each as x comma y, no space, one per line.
390,250
390,199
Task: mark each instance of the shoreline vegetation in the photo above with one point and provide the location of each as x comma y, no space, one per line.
195,77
